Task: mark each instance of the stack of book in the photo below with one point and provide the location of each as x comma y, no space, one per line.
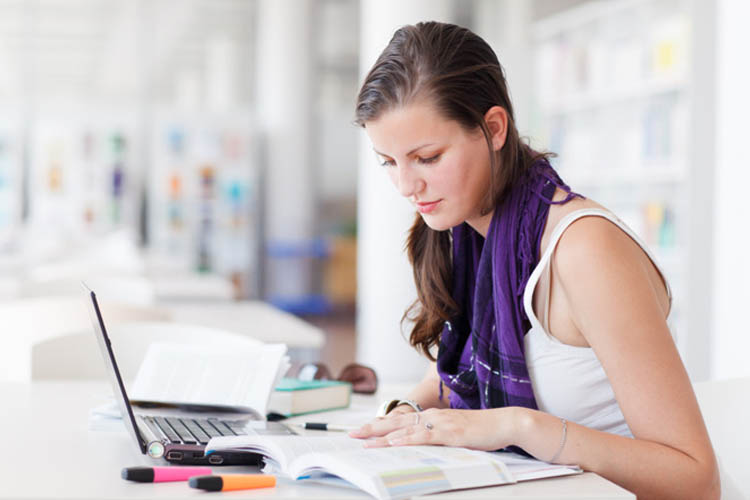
247,380
297,397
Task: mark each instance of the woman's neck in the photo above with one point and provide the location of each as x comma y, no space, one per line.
481,224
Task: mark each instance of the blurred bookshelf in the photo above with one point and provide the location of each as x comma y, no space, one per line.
84,176
336,66
204,210
11,177
614,99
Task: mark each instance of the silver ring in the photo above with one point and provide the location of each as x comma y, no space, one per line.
428,426
416,422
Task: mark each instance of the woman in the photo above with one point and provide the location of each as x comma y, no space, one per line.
549,314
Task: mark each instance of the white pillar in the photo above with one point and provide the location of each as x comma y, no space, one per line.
731,333
284,110
221,74
694,334
506,26
385,282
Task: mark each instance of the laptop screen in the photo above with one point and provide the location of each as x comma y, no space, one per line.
118,387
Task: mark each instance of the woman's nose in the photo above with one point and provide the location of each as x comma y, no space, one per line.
408,182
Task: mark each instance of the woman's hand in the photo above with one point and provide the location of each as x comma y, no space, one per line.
478,429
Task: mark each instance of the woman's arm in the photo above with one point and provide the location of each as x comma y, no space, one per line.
614,305
604,278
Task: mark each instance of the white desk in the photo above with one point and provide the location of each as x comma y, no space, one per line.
187,285
50,453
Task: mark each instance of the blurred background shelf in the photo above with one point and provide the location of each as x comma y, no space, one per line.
615,98
591,100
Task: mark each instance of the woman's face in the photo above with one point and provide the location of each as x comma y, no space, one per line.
440,168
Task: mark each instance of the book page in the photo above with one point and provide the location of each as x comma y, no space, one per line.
395,472
284,449
238,376
525,469
405,471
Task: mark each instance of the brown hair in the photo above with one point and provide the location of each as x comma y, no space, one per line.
458,72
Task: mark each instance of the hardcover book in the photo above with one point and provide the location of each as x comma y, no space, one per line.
297,397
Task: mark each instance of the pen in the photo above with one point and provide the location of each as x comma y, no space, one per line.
322,426
229,482
162,474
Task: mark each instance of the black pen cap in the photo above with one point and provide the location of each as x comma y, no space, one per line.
208,483
140,474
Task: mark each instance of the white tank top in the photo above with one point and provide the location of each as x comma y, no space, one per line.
569,381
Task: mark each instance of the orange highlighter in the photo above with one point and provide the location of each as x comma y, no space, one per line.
229,482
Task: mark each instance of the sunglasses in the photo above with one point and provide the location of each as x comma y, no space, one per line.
364,380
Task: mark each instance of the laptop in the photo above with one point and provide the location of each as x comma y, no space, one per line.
178,435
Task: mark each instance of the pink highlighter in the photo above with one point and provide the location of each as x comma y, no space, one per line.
163,474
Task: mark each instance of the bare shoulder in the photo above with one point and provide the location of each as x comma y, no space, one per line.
595,238
595,258
558,212
594,255
588,237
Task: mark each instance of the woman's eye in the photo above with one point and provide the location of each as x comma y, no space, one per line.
431,159
387,163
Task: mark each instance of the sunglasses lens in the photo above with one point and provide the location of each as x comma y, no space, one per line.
363,378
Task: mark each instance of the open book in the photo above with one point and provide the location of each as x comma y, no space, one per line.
239,377
385,473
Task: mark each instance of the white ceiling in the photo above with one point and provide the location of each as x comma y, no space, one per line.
133,49
112,48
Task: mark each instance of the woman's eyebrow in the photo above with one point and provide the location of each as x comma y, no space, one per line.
409,153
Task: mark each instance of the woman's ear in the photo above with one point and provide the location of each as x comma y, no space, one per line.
496,119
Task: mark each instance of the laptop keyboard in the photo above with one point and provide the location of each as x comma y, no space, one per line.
194,430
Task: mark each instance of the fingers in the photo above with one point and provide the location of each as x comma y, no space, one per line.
399,430
412,435
383,426
400,410
449,427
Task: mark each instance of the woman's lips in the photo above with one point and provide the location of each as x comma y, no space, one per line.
427,207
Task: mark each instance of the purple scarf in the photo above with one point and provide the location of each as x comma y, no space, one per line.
481,355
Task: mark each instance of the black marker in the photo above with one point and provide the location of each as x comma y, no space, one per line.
320,426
